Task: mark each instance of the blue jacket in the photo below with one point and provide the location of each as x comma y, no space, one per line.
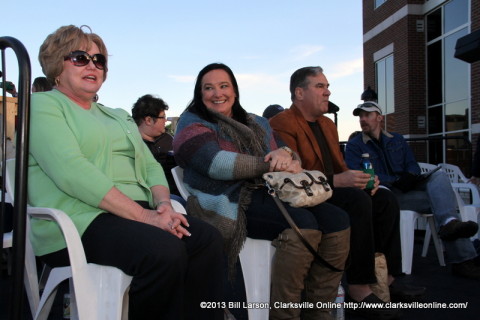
396,152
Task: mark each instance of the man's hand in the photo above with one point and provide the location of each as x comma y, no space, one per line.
375,186
352,178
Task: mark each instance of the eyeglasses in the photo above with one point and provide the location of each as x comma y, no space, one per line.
81,58
162,117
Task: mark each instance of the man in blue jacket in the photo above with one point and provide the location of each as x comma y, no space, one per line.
397,169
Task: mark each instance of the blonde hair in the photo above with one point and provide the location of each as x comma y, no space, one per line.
63,41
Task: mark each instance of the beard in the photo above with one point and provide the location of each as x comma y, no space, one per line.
365,127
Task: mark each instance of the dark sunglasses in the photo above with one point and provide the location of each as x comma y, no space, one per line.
81,58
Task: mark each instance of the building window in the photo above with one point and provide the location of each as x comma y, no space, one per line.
384,78
378,3
448,82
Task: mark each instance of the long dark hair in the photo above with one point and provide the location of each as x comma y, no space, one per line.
198,107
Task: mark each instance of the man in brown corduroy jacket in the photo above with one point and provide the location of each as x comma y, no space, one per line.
374,215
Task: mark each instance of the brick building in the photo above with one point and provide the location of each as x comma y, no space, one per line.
427,94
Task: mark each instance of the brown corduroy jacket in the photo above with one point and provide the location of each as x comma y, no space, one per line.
294,130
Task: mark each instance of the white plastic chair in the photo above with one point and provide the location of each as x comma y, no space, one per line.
7,239
177,173
7,243
7,236
96,291
30,275
408,219
255,258
453,172
468,211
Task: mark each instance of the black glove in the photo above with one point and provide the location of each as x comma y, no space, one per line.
406,182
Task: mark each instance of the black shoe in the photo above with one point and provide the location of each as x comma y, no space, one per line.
457,229
406,293
466,269
371,307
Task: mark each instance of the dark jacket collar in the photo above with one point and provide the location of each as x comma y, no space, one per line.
366,137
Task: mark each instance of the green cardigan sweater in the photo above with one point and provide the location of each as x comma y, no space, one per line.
70,164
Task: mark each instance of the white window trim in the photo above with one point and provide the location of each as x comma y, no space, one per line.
382,53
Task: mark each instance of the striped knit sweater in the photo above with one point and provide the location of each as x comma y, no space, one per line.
216,172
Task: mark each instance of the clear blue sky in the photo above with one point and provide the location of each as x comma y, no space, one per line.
158,47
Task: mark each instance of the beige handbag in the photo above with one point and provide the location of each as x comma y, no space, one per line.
304,189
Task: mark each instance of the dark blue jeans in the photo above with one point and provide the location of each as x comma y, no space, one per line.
437,196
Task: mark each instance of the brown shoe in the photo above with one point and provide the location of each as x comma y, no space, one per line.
466,269
457,229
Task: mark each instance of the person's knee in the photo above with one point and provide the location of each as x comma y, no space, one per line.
170,254
208,233
386,194
439,178
360,197
216,241
360,204
387,200
305,220
343,220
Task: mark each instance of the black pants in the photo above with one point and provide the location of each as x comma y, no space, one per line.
171,276
265,221
375,227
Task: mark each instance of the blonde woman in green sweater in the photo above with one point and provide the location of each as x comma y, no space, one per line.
90,161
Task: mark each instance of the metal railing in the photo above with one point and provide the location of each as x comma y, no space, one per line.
21,156
431,150
455,150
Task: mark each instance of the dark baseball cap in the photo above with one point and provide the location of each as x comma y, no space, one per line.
272,110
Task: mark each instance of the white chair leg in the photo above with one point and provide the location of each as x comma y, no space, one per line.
256,260
48,296
44,276
109,288
407,229
426,240
30,278
436,241
470,213
73,301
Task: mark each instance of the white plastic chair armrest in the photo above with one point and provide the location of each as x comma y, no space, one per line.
177,206
473,191
76,253
177,173
7,239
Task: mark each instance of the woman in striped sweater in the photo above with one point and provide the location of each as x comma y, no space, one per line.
224,151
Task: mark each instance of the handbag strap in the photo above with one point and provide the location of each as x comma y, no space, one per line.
293,225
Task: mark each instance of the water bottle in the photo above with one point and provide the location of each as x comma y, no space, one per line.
339,312
368,168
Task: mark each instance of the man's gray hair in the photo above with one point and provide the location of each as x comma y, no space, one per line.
299,78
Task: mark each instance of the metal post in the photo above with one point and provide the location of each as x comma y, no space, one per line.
21,156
